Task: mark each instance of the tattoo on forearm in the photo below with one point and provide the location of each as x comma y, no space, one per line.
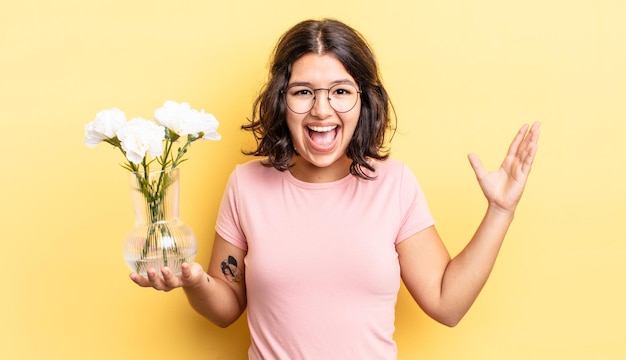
230,270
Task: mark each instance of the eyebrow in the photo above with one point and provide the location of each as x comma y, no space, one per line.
333,83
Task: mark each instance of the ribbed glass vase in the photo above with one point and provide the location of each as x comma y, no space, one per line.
159,238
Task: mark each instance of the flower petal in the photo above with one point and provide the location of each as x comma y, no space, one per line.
183,120
104,126
140,136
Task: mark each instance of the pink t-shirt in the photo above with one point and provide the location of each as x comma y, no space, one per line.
321,269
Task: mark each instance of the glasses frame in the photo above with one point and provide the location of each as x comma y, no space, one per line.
284,93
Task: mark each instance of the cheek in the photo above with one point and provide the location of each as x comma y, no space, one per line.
351,122
294,124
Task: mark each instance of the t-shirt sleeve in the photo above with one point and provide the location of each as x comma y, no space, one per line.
228,224
413,205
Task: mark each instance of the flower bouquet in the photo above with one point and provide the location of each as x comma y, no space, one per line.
153,150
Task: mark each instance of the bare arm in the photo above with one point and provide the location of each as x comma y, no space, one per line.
446,288
220,294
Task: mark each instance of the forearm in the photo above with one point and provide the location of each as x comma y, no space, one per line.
216,301
468,272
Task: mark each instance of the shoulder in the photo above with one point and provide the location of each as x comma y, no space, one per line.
389,169
255,166
394,174
389,164
255,172
250,165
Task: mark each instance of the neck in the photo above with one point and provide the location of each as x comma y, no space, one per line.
307,172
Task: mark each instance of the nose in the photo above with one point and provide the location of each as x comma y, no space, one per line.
321,106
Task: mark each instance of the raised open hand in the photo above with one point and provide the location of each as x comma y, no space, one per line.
503,188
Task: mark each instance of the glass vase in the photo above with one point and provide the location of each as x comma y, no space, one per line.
159,238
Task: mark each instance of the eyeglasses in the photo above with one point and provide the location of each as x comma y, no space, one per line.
301,99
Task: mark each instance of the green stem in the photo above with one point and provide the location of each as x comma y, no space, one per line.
182,150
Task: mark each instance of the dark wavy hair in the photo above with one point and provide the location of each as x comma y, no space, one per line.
268,122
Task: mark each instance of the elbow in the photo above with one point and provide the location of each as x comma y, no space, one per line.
450,320
224,321
226,318
222,324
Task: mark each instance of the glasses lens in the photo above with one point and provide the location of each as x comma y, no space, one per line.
301,99
343,97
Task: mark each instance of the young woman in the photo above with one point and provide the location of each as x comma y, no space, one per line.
313,237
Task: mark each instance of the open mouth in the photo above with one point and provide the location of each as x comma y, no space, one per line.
322,137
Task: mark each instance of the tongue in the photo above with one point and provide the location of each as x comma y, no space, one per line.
322,138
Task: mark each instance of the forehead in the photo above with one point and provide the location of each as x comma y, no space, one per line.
319,70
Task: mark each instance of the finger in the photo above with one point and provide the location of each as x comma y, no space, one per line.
535,130
156,281
193,274
529,158
531,138
477,165
140,280
519,137
530,149
170,280
185,272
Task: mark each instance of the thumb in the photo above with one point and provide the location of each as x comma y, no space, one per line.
192,274
477,165
186,273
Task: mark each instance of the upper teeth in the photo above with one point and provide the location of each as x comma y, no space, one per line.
322,128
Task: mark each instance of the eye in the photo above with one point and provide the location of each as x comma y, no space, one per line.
343,90
300,91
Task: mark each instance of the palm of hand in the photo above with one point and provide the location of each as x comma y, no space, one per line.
503,188
192,275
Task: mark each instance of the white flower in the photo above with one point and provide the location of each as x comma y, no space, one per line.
183,120
104,126
140,136
209,127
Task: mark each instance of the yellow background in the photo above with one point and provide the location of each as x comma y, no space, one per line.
463,76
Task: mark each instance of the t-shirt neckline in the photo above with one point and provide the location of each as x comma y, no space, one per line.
317,186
